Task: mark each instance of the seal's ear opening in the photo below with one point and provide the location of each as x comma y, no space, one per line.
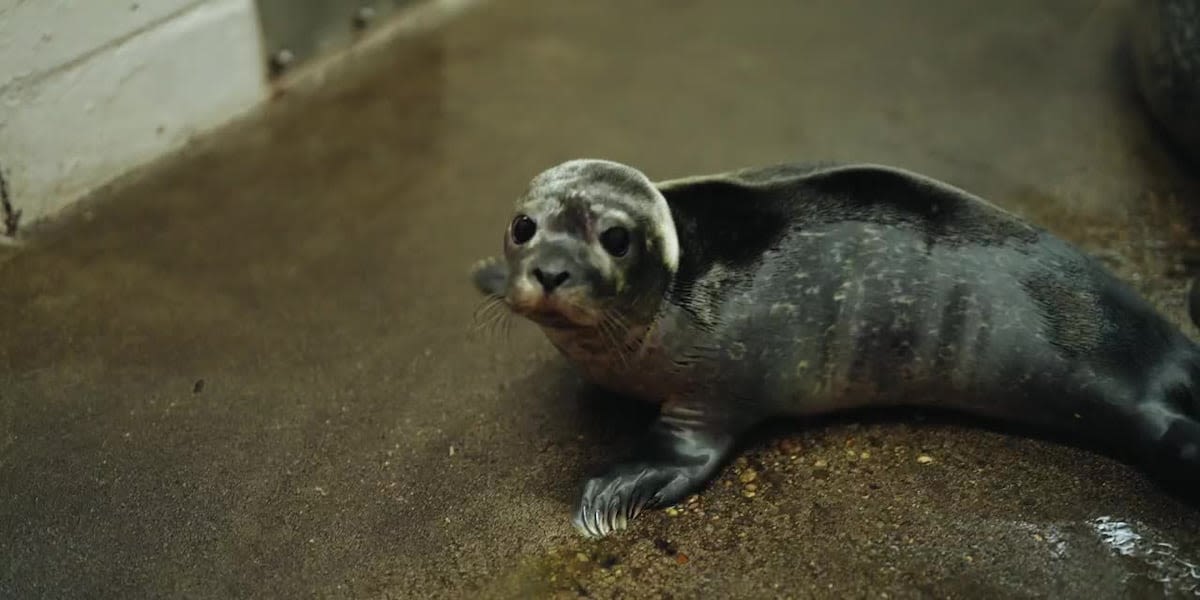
490,276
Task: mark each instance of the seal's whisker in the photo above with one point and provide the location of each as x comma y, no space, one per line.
485,325
605,335
622,328
501,325
493,321
615,316
491,316
616,339
506,324
609,340
485,308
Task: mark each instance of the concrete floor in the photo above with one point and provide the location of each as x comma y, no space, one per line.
251,372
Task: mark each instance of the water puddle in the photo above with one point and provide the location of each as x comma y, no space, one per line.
1155,561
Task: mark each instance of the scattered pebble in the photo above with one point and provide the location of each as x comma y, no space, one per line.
451,450
924,459
673,511
581,557
665,547
865,455
749,475
821,464
681,558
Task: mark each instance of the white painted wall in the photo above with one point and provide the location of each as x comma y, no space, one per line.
90,89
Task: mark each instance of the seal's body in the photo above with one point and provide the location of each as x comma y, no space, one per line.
800,290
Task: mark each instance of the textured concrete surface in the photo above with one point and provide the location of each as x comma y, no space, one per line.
90,90
252,373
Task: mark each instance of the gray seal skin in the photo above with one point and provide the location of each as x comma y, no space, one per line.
1166,61
800,290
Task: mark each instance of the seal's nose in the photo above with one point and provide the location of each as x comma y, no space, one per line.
550,279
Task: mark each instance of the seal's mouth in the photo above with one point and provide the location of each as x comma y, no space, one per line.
554,312
553,320
561,309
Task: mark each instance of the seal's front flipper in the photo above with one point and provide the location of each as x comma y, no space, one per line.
680,455
490,276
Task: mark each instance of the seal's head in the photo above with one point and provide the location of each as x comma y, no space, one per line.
589,239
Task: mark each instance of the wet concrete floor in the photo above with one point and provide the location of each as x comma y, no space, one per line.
251,372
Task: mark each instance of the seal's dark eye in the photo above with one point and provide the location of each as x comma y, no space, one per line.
523,229
615,241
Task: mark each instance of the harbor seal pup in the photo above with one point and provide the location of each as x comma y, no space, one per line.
801,290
